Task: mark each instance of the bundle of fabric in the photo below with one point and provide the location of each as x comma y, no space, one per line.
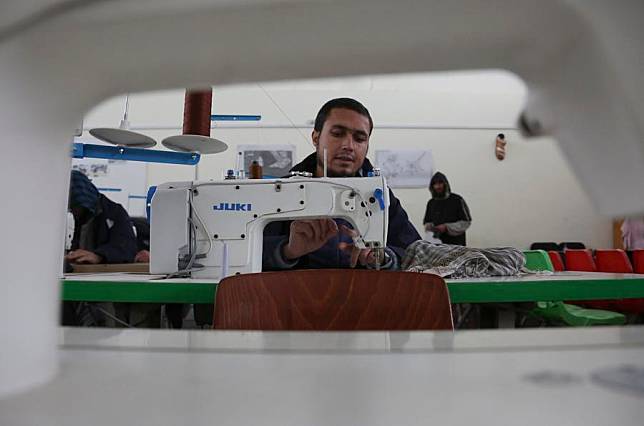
462,262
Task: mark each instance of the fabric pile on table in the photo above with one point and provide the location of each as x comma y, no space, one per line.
462,262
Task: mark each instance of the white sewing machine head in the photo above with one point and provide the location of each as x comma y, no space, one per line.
219,224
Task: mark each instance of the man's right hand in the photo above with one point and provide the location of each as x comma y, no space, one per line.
307,236
142,256
83,256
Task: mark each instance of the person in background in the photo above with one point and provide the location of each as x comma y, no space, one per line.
103,230
447,214
343,127
102,234
633,233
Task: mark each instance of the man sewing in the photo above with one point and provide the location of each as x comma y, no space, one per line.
103,231
343,127
102,234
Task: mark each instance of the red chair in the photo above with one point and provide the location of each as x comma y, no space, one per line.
617,261
613,261
557,261
580,260
638,261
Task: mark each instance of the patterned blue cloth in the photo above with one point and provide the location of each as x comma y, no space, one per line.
82,192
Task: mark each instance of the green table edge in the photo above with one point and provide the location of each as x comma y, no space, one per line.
460,292
540,290
137,291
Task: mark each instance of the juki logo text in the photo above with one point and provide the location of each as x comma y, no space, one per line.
234,207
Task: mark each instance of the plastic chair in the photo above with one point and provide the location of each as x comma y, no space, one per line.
564,313
617,261
571,245
638,261
333,299
556,260
613,260
580,260
546,246
537,260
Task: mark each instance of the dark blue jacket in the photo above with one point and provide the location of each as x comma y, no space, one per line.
110,233
401,233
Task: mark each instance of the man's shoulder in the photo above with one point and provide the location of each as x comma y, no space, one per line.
456,196
309,164
111,208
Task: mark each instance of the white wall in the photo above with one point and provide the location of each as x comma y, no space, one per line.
530,196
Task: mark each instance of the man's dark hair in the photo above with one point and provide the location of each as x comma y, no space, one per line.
346,103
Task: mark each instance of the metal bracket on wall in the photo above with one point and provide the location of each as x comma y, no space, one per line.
232,117
81,150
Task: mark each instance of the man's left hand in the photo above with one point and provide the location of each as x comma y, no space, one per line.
365,256
83,256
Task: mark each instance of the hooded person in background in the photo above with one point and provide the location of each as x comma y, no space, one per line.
447,214
103,230
103,233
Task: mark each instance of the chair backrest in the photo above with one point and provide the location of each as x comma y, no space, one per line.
546,246
580,260
557,261
571,245
613,260
333,299
537,260
638,261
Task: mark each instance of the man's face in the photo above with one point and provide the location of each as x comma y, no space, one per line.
439,187
345,135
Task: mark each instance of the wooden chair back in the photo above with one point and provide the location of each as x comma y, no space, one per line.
333,299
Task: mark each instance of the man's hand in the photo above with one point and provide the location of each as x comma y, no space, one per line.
441,229
307,236
363,256
83,256
142,257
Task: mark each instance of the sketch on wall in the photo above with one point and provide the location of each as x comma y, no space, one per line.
276,160
406,169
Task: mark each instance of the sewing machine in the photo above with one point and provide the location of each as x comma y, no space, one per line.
581,62
213,229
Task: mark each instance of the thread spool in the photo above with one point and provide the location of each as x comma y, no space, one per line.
255,170
196,112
